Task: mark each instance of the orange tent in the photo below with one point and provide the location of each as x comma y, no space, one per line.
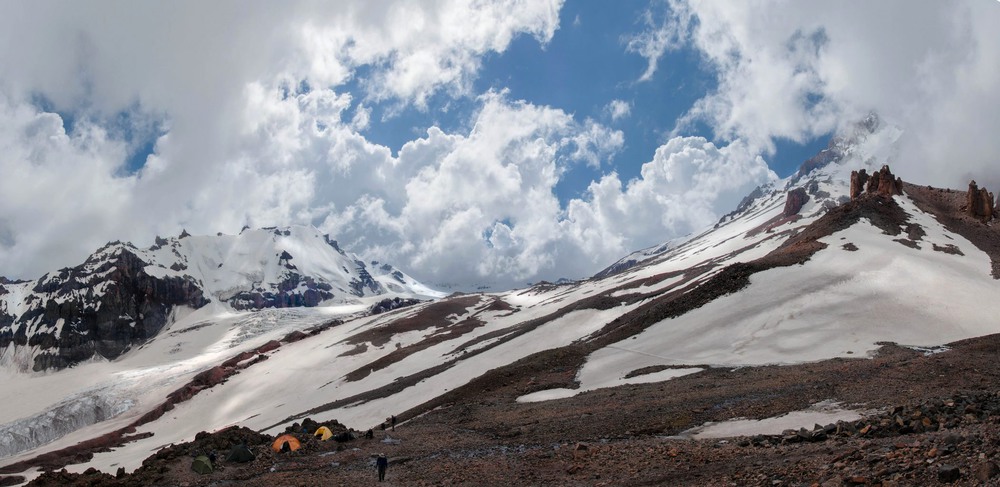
293,443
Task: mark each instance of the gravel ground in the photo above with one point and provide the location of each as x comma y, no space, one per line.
621,436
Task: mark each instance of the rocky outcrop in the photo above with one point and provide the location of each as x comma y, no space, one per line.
123,295
881,182
387,305
858,180
292,292
979,202
102,307
794,200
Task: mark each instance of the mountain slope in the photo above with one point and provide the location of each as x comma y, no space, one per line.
122,295
798,274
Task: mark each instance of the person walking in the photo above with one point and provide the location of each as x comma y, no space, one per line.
381,464
394,422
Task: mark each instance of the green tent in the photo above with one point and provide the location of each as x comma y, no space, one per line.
202,465
240,454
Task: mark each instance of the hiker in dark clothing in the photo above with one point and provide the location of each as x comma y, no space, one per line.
369,434
394,422
383,425
212,457
381,463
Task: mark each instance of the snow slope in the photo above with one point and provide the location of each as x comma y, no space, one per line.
264,259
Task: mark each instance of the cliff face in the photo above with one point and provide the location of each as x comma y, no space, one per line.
123,295
102,307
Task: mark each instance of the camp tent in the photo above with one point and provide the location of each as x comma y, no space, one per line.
240,454
201,465
293,443
323,433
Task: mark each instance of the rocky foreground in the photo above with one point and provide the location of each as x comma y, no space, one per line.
937,421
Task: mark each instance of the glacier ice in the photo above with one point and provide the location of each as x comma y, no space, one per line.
65,417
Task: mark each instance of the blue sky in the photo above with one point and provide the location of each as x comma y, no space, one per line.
582,69
491,143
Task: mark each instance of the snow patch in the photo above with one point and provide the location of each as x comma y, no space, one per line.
823,412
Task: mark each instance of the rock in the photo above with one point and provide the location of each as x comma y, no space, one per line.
858,180
873,182
884,183
794,200
979,202
986,471
12,480
881,182
949,473
132,308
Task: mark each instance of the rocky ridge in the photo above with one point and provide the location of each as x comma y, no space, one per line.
123,295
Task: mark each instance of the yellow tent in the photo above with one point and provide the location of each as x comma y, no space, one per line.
323,433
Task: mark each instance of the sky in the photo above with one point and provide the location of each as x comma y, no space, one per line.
469,142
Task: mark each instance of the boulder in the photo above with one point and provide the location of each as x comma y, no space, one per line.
794,200
949,473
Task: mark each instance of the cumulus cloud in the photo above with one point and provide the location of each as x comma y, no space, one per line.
249,114
798,70
689,182
255,123
481,201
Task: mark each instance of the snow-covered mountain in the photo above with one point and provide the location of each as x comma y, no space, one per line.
829,262
122,295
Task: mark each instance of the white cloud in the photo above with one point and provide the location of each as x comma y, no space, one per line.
667,26
797,70
618,109
684,188
479,207
257,126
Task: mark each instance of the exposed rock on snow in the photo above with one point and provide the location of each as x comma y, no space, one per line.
979,202
101,307
123,295
794,201
880,182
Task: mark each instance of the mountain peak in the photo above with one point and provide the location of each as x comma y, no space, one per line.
122,295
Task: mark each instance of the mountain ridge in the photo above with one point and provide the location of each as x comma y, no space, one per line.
123,295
